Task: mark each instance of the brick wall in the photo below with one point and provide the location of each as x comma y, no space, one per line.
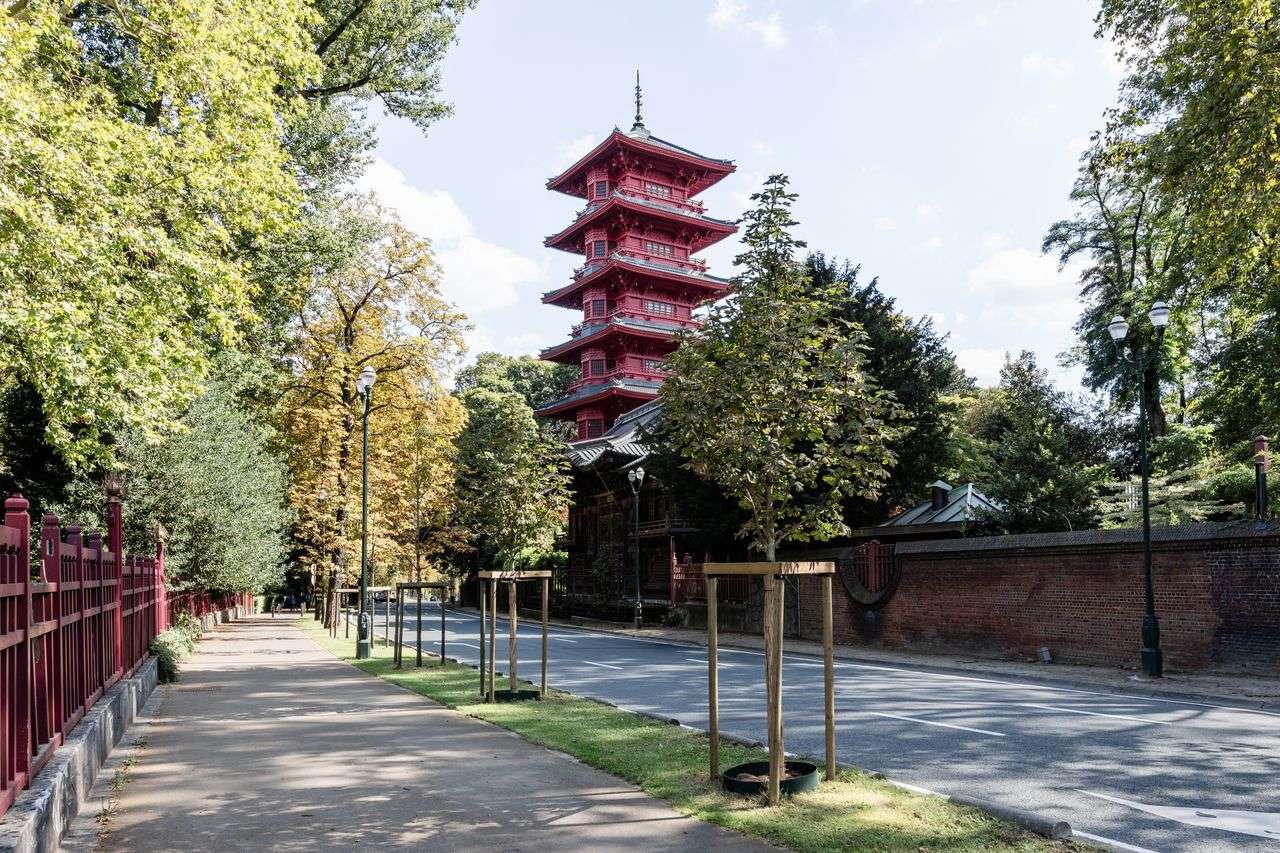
1081,594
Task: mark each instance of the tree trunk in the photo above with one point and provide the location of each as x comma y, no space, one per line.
1157,422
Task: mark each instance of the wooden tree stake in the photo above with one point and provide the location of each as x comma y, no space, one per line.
713,676
511,642
546,602
493,635
773,611
484,615
828,676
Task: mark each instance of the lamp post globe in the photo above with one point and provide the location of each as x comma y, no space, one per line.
635,477
364,630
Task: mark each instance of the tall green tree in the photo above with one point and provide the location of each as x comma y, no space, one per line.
1195,126
1131,243
771,399
138,143
909,359
538,382
217,487
513,480
1047,459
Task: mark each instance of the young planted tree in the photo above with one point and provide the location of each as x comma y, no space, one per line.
513,481
771,399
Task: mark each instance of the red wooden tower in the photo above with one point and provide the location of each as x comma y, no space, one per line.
640,282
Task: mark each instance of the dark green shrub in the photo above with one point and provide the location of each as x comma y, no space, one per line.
172,645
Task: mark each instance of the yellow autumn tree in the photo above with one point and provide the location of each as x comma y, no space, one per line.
380,307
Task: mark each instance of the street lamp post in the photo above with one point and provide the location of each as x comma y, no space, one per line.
1152,656
636,478
364,645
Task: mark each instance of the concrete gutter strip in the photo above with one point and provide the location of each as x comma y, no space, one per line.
37,820
42,813
1037,823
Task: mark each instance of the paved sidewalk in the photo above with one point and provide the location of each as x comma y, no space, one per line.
269,743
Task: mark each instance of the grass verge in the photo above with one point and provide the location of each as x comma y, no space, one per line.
857,812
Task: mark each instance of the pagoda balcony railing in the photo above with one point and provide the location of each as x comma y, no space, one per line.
665,201
673,322
690,265
663,526
617,373
685,208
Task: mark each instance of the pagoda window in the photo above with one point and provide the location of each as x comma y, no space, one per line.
662,249
597,367
597,307
602,189
653,365
657,189
664,308
595,428
599,248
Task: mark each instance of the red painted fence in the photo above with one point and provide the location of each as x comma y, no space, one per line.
70,629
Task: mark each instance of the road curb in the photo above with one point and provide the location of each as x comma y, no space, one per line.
1037,823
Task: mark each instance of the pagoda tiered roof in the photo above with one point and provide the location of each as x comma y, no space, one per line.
700,170
704,230
689,275
591,334
594,392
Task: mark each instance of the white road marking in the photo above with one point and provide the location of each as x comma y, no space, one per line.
460,643
704,662
1096,713
1260,824
935,723
917,672
605,665
1110,842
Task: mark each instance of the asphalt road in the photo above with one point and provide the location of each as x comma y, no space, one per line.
1134,772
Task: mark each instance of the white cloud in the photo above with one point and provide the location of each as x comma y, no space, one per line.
573,150
1018,272
1053,67
982,364
928,210
736,15
885,223
937,317
1109,61
763,149
994,241
931,245
822,31
1023,300
478,276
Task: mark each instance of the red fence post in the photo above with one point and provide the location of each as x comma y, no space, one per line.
113,488
162,592
51,571
19,746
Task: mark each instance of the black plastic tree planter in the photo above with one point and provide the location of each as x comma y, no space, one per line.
806,778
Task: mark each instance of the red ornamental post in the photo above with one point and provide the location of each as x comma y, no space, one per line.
51,572
17,744
161,615
113,487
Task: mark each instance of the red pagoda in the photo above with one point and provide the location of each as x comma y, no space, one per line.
640,282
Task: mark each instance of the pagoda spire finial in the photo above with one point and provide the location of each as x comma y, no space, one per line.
639,125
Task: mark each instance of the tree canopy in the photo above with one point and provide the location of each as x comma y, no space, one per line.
513,481
771,400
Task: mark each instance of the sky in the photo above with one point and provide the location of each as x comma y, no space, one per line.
931,141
